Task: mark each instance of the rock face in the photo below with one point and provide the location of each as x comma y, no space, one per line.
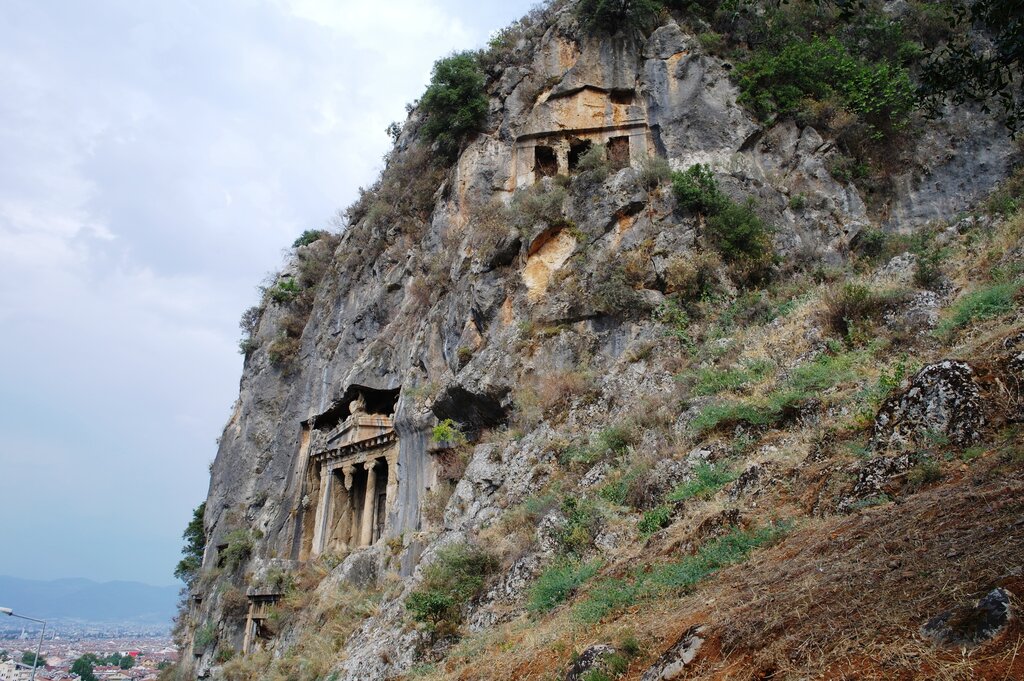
455,309
972,624
943,400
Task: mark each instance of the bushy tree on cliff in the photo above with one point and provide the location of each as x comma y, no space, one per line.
454,104
195,544
963,72
609,16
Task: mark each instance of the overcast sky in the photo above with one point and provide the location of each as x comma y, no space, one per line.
155,160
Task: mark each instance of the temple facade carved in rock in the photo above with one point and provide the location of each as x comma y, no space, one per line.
350,458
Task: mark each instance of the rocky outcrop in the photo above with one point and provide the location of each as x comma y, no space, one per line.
943,400
673,663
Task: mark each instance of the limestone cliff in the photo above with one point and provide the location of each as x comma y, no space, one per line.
567,315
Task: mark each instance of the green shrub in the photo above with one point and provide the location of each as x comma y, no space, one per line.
711,42
448,432
825,372
593,165
455,104
798,201
776,83
697,191
927,471
582,522
675,320
741,236
654,170
308,237
538,204
928,269
707,479
456,576
240,544
656,519
850,307
1008,198
613,296
284,291
617,439
985,303
557,583
205,636
871,242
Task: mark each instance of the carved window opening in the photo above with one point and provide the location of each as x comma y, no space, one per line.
221,558
618,152
577,148
623,97
545,161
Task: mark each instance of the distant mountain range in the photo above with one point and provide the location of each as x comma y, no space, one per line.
87,602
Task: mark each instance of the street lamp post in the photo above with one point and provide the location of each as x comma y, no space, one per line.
39,646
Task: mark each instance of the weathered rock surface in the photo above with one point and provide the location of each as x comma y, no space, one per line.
672,665
943,400
972,624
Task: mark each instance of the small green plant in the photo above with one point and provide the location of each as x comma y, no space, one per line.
928,269
927,471
557,583
655,519
464,354
654,170
447,432
205,636
711,42
308,237
878,500
284,291
240,544
616,439
582,522
593,165
798,201
707,479
711,381
675,320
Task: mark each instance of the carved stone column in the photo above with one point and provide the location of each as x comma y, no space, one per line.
371,496
323,511
347,472
392,488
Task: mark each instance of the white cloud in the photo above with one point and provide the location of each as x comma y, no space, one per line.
155,158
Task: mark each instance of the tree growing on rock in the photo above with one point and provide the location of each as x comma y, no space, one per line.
454,104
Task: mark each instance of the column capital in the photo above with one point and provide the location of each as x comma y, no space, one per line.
369,464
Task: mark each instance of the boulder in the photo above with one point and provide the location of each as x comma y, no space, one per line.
973,624
943,399
673,663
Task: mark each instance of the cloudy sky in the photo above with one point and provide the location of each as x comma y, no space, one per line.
155,160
